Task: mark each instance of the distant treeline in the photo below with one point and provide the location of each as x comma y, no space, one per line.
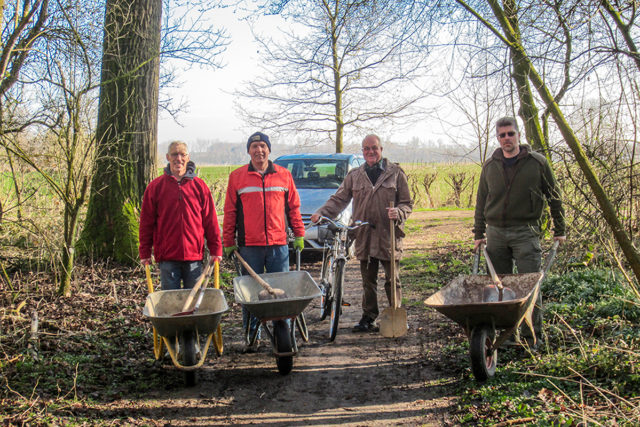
221,153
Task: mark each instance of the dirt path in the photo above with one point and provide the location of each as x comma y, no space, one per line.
360,379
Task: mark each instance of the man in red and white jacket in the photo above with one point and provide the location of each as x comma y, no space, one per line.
177,215
261,201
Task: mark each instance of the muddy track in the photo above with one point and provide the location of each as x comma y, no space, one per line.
360,379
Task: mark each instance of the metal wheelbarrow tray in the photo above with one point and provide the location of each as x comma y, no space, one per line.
204,322
299,288
461,301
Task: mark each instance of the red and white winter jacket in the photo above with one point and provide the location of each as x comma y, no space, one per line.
257,208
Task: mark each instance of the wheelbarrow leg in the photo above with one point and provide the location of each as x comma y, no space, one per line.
484,356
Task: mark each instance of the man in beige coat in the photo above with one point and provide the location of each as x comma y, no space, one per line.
372,187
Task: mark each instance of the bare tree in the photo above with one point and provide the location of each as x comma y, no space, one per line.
500,22
341,64
54,137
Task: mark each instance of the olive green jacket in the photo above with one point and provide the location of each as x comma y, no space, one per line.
504,202
370,204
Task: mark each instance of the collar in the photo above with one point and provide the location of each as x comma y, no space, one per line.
524,152
270,168
381,165
190,174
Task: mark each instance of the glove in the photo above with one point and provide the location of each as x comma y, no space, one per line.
229,250
298,243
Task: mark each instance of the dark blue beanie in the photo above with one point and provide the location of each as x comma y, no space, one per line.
258,136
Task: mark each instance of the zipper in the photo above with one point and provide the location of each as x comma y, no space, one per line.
264,197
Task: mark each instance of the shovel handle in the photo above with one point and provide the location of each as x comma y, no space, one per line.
253,273
194,290
492,271
392,264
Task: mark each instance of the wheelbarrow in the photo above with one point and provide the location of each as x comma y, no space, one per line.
299,288
462,301
183,334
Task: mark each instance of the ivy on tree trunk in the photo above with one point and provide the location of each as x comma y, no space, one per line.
127,128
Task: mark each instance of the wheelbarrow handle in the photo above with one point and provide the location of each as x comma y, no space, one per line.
551,257
476,260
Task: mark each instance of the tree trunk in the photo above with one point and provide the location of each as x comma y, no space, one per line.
528,110
127,128
337,86
608,211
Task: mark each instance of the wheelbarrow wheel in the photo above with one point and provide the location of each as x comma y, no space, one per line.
336,299
325,296
282,337
189,356
483,357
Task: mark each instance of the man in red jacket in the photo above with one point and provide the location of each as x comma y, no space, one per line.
261,201
177,215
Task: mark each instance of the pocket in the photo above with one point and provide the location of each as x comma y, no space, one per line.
536,202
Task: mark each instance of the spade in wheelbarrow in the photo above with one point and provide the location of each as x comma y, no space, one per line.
295,290
489,321
183,319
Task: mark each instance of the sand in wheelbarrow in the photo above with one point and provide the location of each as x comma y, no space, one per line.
275,294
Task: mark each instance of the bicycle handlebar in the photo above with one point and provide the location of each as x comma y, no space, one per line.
337,224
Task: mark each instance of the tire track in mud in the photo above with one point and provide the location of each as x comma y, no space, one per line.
360,379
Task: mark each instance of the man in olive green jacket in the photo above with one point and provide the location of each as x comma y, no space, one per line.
514,183
372,187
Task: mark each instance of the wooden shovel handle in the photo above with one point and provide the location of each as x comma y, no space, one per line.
253,273
194,290
492,271
392,265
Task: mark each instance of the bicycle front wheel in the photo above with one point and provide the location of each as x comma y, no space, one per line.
325,296
336,298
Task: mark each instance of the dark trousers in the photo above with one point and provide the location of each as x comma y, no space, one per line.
519,245
369,270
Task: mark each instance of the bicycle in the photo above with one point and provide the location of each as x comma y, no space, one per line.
335,255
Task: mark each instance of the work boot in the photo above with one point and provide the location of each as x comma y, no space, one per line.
365,325
253,348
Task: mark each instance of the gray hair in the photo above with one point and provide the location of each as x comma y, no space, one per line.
175,143
507,121
372,135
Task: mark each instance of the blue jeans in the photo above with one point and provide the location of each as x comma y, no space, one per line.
262,259
172,272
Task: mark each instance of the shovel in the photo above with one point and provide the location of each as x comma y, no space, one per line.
495,292
186,308
268,292
393,320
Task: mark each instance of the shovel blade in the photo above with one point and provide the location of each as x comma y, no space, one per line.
393,322
183,313
491,293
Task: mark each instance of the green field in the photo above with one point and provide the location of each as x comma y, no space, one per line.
442,192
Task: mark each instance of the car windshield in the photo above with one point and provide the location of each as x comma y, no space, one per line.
316,173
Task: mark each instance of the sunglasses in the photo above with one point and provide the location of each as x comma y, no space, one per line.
503,134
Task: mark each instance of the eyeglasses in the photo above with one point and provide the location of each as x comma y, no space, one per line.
503,134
